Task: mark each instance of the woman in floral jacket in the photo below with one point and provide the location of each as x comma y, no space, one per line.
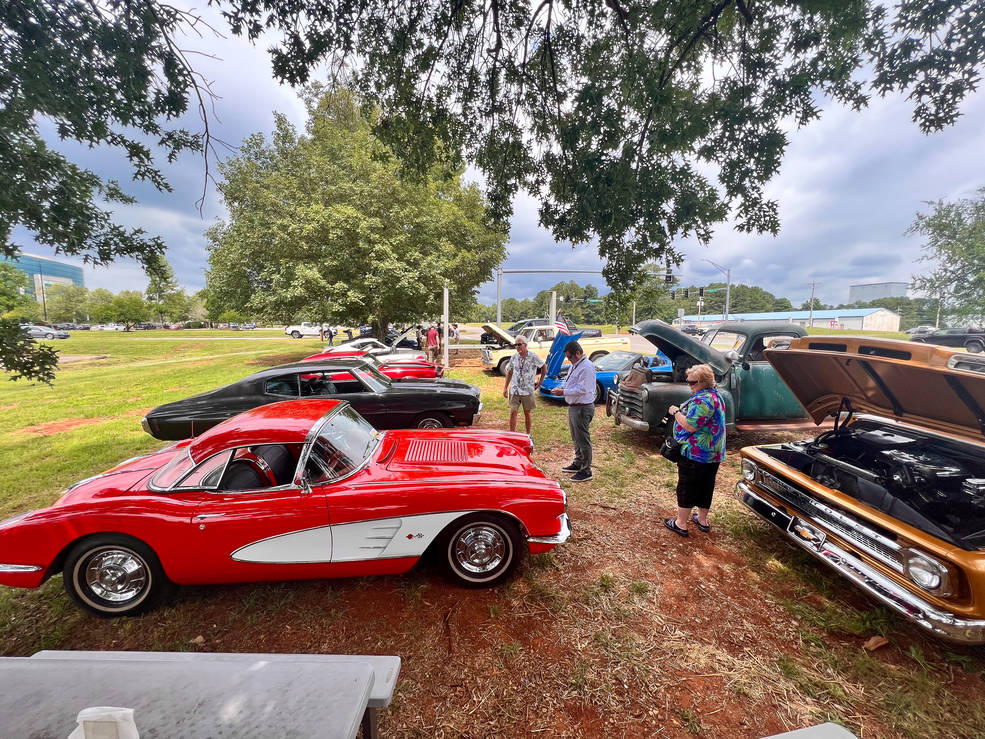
699,426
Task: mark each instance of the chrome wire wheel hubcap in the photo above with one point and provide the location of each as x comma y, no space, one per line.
480,549
430,423
116,575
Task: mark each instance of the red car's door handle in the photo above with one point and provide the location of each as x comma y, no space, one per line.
203,516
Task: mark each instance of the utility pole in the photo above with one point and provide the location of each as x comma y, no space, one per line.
552,312
444,338
44,302
727,271
499,297
811,322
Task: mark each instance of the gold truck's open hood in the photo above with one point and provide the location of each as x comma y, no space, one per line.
919,384
504,338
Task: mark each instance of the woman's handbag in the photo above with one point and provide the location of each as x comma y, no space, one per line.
671,448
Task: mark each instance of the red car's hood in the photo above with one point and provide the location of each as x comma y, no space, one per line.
423,455
129,475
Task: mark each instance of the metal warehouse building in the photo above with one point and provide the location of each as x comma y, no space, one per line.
857,319
46,271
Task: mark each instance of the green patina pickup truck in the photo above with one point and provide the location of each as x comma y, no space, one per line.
755,397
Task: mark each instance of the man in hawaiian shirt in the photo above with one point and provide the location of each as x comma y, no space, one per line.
522,381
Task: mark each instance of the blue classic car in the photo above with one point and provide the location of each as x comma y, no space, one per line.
607,368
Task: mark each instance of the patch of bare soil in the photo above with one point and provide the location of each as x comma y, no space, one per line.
72,358
58,427
274,359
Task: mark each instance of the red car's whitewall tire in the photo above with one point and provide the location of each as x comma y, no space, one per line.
114,575
481,550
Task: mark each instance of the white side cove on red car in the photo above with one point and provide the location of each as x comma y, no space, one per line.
382,538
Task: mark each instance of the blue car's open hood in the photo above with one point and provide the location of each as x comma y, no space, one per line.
555,357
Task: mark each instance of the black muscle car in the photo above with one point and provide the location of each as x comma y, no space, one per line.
385,404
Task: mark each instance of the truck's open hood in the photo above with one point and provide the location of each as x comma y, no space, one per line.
919,384
503,337
673,343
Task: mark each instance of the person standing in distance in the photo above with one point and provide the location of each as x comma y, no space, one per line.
579,392
522,382
433,344
699,426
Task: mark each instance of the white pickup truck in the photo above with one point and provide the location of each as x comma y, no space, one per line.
539,340
305,328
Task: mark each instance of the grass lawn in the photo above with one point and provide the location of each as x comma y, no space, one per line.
627,630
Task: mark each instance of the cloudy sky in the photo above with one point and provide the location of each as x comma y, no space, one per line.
849,187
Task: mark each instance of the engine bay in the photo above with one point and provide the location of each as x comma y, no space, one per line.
931,483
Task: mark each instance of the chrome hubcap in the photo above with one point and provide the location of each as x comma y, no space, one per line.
480,549
430,423
116,575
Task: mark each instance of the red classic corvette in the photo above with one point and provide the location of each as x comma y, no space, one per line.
394,367
293,490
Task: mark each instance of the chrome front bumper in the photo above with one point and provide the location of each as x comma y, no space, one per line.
885,590
612,409
558,538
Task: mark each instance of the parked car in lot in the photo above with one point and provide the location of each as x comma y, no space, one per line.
382,402
607,369
920,330
109,327
893,498
970,338
290,491
396,368
754,396
488,337
304,329
539,340
397,348
249,326
43,332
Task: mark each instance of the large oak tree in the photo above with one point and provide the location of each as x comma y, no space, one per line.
323,227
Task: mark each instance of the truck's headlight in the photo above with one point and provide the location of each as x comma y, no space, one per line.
927,572
749,470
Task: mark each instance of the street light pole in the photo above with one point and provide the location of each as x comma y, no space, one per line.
728,282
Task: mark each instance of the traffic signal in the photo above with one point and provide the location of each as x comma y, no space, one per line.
668,278
673,295
687,293
701,292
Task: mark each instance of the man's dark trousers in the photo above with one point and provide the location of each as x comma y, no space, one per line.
579,418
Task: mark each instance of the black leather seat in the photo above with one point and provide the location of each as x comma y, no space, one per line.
280,461
242,475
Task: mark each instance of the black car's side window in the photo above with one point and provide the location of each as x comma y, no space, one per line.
286,385
345,382
316,384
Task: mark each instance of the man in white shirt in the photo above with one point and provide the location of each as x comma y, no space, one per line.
522,382
579,392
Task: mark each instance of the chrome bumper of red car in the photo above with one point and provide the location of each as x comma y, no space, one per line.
942,623
558,538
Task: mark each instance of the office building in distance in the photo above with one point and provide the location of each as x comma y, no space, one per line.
45,271
876,290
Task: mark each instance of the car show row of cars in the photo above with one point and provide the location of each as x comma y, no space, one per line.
349,463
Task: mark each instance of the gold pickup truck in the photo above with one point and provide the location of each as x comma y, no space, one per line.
539,339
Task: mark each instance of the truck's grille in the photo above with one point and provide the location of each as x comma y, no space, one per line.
850,527
631,402
486,355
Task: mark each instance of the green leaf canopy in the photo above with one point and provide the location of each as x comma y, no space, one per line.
324,227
